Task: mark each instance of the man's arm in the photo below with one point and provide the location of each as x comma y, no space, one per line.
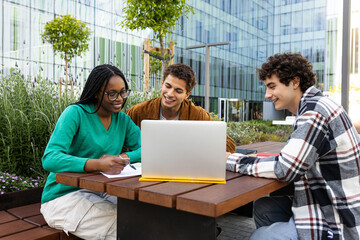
308,142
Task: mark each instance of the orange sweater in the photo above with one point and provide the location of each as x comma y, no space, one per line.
188,111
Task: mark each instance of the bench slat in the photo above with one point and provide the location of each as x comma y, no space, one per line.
71,178
233,194
98,182
32,234
6,217
37,220
14,227
26,211
232,175
127,188
165,194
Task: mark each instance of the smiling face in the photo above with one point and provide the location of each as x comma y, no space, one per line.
173,93
282,96
116,84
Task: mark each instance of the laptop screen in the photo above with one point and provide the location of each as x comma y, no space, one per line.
183,150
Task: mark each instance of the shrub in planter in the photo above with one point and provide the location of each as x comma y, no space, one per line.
13,183
29,109
257,131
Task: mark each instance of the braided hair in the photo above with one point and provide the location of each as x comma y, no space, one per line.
99,75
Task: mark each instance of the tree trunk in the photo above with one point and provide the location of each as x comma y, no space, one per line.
66,73
163,56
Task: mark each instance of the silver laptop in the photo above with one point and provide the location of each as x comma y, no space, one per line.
183,151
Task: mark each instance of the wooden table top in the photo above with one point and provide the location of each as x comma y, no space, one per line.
211,200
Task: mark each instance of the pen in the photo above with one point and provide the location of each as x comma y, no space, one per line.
132,166
128,163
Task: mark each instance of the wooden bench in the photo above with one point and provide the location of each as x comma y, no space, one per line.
20,218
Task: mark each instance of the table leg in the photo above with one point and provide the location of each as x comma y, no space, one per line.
138,220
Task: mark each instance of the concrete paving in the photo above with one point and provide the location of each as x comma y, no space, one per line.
235,227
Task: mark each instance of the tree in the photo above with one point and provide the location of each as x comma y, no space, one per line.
159,15
155,62
68,36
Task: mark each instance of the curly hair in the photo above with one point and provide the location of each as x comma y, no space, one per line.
183,72
286,67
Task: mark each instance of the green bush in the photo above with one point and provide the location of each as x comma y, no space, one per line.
257,131
137,96
29,109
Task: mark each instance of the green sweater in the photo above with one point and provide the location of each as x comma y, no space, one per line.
79,136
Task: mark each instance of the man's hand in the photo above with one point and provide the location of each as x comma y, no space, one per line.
233,160
227,155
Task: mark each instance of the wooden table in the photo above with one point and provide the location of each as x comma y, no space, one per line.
171,210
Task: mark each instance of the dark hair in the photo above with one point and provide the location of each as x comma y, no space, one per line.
183,72
99,75
286,67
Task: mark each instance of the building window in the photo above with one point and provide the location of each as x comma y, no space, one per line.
356,50
199,31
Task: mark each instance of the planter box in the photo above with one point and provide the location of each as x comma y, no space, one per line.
20,198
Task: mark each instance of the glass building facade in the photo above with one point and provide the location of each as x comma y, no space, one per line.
333,60
256,28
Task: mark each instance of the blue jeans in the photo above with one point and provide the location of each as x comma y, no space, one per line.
274,219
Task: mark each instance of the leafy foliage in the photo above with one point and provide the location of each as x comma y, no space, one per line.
68,36
155,64
137,96
29,109
257,131
158,15
214,116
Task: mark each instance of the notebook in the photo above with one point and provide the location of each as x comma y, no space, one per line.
183,151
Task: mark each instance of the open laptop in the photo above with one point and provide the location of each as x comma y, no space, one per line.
183,151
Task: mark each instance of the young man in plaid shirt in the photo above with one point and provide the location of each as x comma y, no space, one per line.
321,158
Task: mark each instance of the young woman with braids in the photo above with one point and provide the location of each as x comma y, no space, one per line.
89,137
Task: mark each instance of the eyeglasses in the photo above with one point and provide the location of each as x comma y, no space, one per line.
114,95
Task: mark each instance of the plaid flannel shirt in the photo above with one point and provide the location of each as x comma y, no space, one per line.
322,158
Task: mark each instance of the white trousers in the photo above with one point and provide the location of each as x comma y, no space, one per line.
84,213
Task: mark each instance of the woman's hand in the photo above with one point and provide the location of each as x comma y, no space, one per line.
109,164
113,164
